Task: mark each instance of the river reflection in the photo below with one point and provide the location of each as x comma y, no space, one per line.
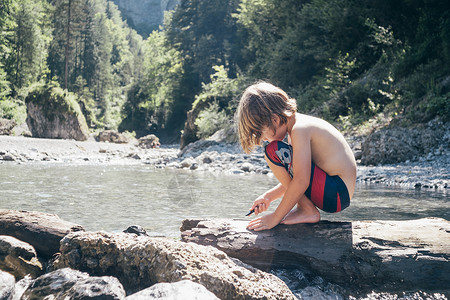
111,198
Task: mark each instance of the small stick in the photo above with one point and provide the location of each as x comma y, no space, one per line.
250,212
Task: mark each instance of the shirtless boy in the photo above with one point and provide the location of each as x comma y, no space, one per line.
316,168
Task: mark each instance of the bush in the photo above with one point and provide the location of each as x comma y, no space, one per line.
210,120
440,106
53,99
13,110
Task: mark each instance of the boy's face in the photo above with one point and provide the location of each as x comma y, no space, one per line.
268,135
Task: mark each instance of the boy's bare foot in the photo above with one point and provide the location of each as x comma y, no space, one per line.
296,216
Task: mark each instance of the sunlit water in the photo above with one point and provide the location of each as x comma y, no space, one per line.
111,198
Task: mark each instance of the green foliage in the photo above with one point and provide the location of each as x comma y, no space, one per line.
205,34
13,110
27,41
439,106
222,90
150,102
210,120
344,60
52,98
214,106
4,84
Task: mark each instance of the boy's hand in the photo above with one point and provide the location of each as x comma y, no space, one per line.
263,223
260,205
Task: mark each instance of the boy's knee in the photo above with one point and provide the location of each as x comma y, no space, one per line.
279,153
270,151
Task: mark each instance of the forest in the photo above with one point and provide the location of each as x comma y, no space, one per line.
354,63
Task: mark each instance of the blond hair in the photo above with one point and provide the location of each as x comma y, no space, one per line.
259,103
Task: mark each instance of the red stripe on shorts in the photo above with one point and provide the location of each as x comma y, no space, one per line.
318,187
338,206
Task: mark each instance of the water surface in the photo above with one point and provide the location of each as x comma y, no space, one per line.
111,198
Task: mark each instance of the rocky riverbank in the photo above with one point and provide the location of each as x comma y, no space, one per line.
101,265
214,260
430,171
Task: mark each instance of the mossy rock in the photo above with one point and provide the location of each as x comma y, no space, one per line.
55,113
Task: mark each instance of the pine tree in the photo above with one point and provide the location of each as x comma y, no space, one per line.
27,60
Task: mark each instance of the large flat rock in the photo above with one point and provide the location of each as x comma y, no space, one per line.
41,230
364,255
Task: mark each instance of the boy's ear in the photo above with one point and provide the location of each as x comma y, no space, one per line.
275,120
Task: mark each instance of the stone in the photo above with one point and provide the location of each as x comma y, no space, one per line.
41,230
196,148
18,258
6,126
399,144
149,142
174,291
136,229
7,282
112,136
53,283
72,284
8,157
54,113
105,287
360,255
140,262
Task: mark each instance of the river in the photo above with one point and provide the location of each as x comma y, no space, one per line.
113,197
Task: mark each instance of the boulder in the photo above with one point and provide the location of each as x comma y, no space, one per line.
196,148
364,255
54,113
112,136
18,258
396,145
140,262
69,284
41,230
174,291
149,142
7,282
6,126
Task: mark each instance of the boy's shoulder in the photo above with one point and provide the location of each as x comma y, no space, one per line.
307,121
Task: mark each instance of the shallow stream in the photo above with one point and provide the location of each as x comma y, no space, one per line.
111,198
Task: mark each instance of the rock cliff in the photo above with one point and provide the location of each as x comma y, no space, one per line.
145,15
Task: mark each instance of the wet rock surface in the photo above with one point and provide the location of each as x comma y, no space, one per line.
363,255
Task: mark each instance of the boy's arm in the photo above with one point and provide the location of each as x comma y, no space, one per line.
301,148
263,201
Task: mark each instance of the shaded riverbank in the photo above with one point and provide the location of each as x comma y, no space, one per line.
429,172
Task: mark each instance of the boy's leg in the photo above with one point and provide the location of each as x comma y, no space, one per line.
306,211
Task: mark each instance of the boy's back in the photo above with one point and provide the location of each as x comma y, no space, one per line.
329,150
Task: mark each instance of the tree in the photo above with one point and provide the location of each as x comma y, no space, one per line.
28,40
205,34
151,104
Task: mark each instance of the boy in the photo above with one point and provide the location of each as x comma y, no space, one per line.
316,168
